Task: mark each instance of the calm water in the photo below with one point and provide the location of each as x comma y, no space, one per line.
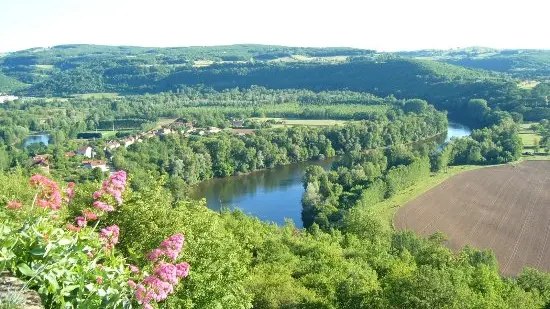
271,195
36,139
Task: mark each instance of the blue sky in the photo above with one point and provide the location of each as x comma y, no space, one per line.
386,25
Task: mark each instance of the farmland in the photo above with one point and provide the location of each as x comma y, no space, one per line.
503,208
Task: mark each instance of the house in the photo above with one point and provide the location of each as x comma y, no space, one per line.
41,158
128,141
165,131
86,151
95,164
42,161
237,123
242,132
70,154
111,145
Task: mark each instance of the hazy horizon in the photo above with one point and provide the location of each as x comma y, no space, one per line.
379,25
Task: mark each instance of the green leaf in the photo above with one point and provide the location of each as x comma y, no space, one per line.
68,289
38,251
25,270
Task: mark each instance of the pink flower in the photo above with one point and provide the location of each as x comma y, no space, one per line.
132,284
182,270
69,191
54,217
109,235
81,221
99,280
167,272
14,205
103,206
97,194
49,195
89,215
154,255
72,228
172,246
90,255
134,269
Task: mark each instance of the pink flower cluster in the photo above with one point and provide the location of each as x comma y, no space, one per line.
160,284
49,195
109,235
114,186
170,248
14,205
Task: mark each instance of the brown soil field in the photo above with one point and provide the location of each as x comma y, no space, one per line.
505,208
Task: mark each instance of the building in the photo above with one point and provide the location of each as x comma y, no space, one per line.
91,164
128,141
70,154
86,151
42,162
237,123
111,145
165,131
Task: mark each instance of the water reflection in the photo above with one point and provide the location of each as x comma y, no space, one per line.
36,139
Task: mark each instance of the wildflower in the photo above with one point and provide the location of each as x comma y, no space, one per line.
110,236
89,215
167,272
103,206
132,284
69,191
14,205
99,280
72,228
81,222
182,270
90,255
114,186
49,195
154,255
172,246
134,269
54,217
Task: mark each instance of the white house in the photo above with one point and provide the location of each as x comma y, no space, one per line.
128,141
86,151
95,164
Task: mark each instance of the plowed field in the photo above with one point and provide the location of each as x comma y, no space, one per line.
505,208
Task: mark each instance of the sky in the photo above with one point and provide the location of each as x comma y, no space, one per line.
384,25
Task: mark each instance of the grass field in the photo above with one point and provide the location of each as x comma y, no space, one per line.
501,207
528,137
44,66
302,122
164,122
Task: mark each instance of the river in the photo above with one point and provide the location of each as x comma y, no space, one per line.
274,194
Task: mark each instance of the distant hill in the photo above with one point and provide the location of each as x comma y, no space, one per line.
520,63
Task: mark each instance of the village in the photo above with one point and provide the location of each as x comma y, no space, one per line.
178,127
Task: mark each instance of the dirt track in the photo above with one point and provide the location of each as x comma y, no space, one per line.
505,208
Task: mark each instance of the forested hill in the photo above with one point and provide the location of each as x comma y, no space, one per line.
70,69
521,63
